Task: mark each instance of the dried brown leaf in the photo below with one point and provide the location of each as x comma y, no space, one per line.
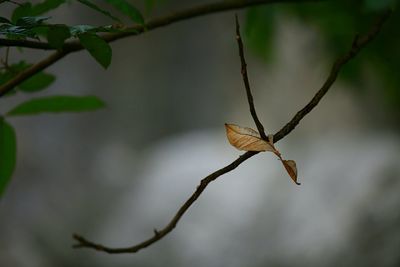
290,166
247,139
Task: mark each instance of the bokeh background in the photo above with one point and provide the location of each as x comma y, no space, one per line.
115,174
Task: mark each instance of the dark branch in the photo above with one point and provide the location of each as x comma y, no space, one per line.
159,234
22,76
75,46
10,1
184,14
358,44
250,99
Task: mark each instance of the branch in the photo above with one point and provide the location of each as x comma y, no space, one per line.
253,112
75,46
159,234
358,44
184,14
22,76
10,1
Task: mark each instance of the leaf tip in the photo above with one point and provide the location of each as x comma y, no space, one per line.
290,166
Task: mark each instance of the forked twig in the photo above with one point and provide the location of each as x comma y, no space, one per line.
359,43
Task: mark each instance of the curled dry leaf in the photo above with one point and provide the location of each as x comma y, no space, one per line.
247,139
290,166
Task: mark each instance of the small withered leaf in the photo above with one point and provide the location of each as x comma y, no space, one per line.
290,166
246,139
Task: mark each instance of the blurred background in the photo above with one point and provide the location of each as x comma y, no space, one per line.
115,174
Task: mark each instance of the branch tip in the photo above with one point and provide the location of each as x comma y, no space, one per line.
356,48
156,232
246,82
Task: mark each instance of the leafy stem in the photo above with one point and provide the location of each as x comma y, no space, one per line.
76,45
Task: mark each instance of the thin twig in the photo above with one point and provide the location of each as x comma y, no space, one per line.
10,1
358,44
82,242
152,24
7,56
75,46
5,61
250,99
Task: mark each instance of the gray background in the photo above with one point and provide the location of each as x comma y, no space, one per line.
115,174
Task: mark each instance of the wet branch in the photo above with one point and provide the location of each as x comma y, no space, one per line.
358,44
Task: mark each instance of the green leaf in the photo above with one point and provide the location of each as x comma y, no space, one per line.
27,10
37,82
79,29
23,10
260,30
24,27
97,47
56,104
127,9
150,4
8,153
57,35
31,21
5,77
12,71
4,20
379,4
16,31
46,6
94,7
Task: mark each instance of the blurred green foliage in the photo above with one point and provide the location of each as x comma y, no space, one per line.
97,47
337,22
28,9
8,147
57,104
260,29
37,82
127,9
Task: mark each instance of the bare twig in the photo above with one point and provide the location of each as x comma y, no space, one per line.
250,99
5,61
159,234
7,56
10,1
358,44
